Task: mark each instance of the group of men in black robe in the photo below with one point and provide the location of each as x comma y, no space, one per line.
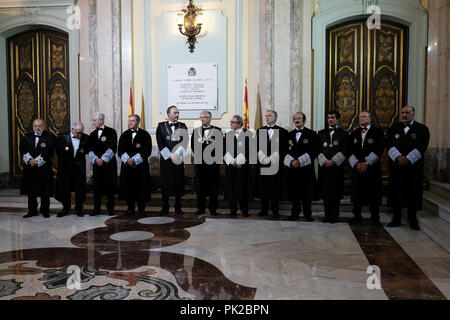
285,165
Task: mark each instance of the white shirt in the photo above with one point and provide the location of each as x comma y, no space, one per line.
75,144
270,131
133,135
408,128
36,139
100,131
299,134
237,133
172,126
363,135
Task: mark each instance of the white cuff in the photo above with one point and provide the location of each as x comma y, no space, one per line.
338,159
414,156
165,153
261,157
353,161
228,158
125,157
394,153
287,160
40,161
305,160
92,157
322,159
372,158
138,159
27,157
107,157
240,159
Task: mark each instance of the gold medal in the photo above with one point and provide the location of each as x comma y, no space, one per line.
414,136
67,148
397,136
306,141
81,150
355,141
168,138
335,143
325,144
370,141
104,139
138,146
43,145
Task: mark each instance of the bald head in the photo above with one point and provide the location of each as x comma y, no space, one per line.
77,129
38,126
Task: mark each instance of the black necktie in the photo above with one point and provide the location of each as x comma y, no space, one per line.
363,129
299,130
331,129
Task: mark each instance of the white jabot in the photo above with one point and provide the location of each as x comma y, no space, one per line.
75,144
100,131
237,132
299,134
363,135
133,135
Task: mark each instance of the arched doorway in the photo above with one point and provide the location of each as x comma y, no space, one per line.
38,86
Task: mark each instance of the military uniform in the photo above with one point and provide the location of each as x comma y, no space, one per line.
367,145
135,180
103,143
304,147
406,182
333,145
37,181
172,175
270,187
71,170
206,175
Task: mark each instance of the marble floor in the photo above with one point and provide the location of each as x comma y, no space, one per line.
207,258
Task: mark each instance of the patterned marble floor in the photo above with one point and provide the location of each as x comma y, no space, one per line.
208,258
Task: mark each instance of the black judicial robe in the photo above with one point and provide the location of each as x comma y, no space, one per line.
406,182
105,177
172,175
135,182
237,181
206,175
38,181
331,180
272,187
367,187
70,167
302,180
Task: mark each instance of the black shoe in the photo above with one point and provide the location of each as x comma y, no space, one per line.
276,215
293,218
414,226
376,222
394,224
94,213
30,214
326,219
199,212
179,212
213,212
233,213
309,219
46,215
262,214
62,214
245,214
355,220
111,213
80,213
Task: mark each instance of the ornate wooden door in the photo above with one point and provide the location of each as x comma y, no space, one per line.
366,70
38,86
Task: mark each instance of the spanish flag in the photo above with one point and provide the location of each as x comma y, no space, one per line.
131,108
246,119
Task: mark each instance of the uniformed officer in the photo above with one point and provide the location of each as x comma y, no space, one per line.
135,147
237,170
332,155
206,174
72,149
172,143
366,150
407,142
103,142
269,186
37,181
303,149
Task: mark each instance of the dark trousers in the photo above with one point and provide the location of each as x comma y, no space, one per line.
141,206
201,203
32,204
243,204
332,209
166,205
298,205
374,209
412,214
274,206
109,202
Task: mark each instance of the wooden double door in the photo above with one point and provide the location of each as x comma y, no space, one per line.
38,87
367,70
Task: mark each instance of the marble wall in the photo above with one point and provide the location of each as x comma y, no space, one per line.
437,116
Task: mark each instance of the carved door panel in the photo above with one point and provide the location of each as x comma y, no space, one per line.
366,70
38,86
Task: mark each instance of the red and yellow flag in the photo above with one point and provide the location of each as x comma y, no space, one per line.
131,108
246,118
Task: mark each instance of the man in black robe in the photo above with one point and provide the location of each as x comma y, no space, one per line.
333,144
135,147
366,150
37,181
173,140
303,149
72,149
269,185
407,142
237,170
206,173
103,142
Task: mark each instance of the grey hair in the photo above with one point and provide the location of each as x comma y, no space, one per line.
368,113
412,108
138,118
239,119
77,124
273,112
99,116
209,114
